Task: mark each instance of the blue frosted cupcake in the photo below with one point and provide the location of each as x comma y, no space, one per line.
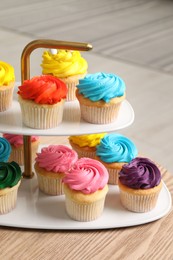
5,150
100,96
114,151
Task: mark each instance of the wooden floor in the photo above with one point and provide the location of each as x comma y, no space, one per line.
131,38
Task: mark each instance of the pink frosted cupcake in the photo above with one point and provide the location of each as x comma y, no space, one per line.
85,188
17,152
50,165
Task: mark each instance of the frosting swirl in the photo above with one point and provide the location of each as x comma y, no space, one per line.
116,148
56,158
6,74
17,140
10,174
87,140
101,86
87,175
5,149
140,173
43,89
63,64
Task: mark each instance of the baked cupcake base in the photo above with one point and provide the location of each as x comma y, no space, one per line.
8,198
139,200
71,83
41,116
49,182
6,96
113,170
84,207
99,112
85,151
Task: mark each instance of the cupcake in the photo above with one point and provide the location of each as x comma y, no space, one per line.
10,180
5,149
85,189
17,147
139,184
66,65
114,151
100,96
42,101
85,145
7,79
50,165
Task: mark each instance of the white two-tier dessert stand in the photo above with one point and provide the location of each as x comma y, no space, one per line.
37,210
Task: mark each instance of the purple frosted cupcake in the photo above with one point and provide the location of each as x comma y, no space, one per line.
140,184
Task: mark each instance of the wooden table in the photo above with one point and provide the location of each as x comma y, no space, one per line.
148,241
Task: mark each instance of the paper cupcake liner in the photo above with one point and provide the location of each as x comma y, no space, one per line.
113,176
71,83
6,97
71,94
84,212
113,170
41,116
50,186
138,203
70,115
8,199
100,115
17,154
82,152
85,154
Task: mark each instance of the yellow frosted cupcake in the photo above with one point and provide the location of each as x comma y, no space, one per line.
139,184
85,189
51,164
114,151
10,179
17,147
100,96
69,66
42,101
7,79
85,145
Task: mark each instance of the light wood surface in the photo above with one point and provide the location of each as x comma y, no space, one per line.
144,242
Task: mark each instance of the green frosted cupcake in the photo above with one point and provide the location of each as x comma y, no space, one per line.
10,179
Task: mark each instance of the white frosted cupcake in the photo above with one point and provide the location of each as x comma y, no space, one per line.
100,96
85,189
7,80
69,66
140,184
50,165
42,101
85,145
17,147
10,179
